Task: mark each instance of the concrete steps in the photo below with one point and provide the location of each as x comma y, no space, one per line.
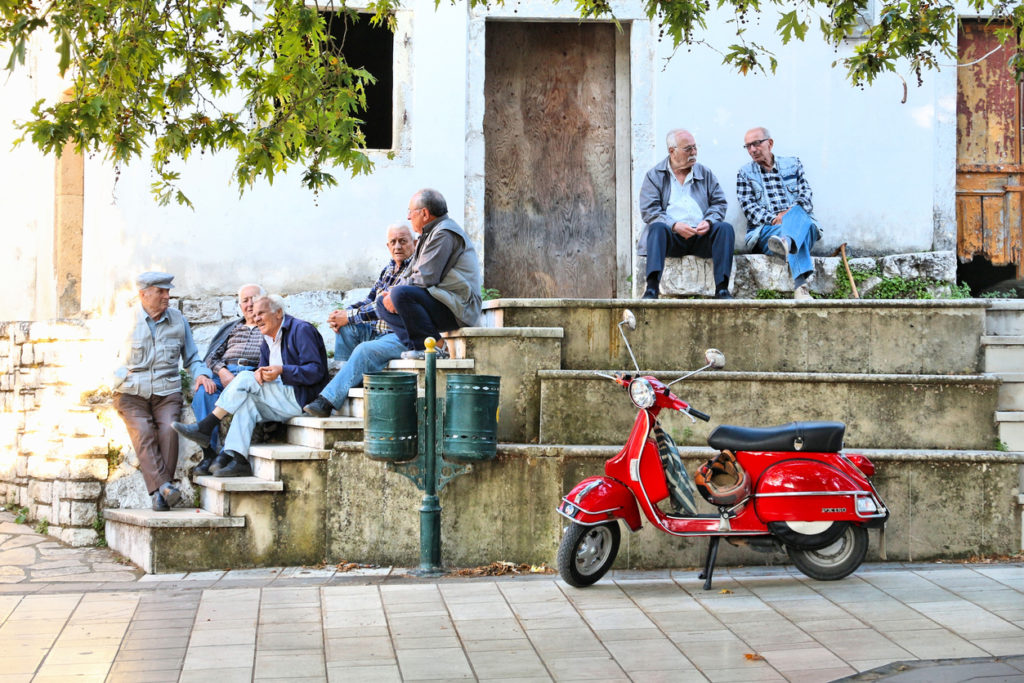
1003,351
940,337
880,411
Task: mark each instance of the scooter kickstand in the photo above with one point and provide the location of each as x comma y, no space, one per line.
709,562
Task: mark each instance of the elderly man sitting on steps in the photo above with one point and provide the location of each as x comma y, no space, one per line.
292,370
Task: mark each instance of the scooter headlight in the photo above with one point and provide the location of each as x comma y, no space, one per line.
641,393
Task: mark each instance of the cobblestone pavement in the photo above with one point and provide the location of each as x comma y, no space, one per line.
80,614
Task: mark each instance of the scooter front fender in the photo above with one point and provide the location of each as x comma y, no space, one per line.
596,500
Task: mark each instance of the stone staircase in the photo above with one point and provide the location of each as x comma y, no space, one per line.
918,384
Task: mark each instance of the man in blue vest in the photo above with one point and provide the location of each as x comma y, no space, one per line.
776,199
147,385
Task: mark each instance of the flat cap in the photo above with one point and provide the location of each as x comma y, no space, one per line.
154,279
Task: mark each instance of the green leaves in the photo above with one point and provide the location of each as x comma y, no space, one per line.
265,83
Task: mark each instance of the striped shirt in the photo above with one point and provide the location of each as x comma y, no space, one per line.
242,343
365,311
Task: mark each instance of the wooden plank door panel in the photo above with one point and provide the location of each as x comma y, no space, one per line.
549,133
988,149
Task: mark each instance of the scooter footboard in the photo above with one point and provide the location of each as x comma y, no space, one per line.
599,499
810,490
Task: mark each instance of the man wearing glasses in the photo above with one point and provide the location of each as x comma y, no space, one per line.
683,207
776,199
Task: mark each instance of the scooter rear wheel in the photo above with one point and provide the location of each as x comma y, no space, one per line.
835,561
587,552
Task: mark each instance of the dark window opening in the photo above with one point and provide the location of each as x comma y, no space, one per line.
985,278
372,48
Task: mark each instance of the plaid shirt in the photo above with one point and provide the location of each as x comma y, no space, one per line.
365,311
763,211
242,343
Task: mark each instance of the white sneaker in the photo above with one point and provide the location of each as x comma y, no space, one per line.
779,245
803,293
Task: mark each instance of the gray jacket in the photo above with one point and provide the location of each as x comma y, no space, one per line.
656,193
446,265
151,354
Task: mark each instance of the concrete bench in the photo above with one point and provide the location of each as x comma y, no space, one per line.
693,276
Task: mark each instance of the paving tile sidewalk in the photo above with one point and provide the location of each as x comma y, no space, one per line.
98,619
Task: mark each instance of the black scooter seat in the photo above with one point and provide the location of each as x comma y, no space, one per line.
815,437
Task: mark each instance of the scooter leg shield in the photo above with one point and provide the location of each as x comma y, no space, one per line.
598,499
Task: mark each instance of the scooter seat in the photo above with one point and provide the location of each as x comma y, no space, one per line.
815,437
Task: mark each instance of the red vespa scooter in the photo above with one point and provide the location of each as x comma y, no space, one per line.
789,486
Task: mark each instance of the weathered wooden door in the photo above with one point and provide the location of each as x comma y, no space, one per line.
988,150
549,133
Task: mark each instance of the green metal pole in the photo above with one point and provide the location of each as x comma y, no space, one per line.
430,511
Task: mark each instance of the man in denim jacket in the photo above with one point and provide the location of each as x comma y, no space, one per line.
684,209
147,384
776,199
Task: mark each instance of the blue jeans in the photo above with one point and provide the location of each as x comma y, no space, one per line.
802,232
369,356
203,403
347,338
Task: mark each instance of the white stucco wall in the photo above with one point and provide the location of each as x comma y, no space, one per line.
882,171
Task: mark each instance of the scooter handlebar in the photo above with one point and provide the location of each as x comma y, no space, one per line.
697,414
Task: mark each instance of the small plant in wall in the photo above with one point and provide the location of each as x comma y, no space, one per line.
21,515
42,526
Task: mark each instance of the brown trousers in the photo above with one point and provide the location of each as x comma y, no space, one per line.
149,426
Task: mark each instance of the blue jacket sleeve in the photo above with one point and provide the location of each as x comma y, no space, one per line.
306,361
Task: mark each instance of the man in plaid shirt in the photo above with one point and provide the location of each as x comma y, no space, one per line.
362,340
776,199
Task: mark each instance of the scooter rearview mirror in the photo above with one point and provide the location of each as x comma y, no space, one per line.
715,359
628,319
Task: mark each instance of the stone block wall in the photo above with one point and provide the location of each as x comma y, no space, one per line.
53,447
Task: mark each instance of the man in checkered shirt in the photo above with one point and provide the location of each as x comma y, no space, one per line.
776,199
362,340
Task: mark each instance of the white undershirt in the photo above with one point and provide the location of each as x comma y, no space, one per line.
681,204
275,348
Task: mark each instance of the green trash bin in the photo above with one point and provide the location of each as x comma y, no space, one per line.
471,418
389,406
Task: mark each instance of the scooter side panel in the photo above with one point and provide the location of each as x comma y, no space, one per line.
600,499
806,490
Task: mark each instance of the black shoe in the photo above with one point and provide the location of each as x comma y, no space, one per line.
159,504
238,467
221,461
192,433
723,294
170,493
650,294
203,468
320,407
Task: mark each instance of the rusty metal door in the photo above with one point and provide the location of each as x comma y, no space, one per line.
549,132
988,149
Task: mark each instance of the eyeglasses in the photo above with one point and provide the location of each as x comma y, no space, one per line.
755,143
688,149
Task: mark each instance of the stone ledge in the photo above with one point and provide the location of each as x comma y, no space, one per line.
693,276
176,518
448,364
523,332
849,377
240,484
273,451
1001,340
326,422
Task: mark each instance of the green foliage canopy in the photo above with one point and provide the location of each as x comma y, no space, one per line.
264,81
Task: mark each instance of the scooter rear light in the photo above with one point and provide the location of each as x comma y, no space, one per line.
862,464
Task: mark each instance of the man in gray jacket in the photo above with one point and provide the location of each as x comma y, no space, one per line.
441,289
147,386
683,207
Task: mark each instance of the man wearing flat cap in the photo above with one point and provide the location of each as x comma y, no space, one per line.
147,386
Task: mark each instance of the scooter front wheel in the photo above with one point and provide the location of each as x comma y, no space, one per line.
836,560
587,552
